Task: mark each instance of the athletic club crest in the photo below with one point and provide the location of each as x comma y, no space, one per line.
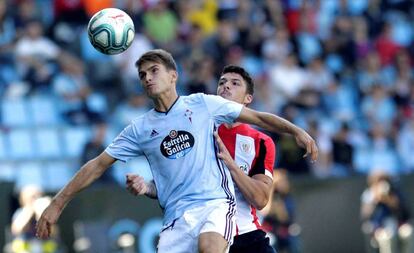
245,147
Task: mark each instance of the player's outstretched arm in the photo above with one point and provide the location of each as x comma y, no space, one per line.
136,185
277,124
255,189
84,177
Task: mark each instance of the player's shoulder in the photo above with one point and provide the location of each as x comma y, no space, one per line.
197,96
140,122
139,119
259,134
204,97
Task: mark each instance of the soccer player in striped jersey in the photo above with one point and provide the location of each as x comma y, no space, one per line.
194,190
250,156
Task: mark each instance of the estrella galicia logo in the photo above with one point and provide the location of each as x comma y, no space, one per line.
177,144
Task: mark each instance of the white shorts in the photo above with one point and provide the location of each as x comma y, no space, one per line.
182,234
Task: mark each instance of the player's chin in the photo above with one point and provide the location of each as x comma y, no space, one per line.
225,95
152,94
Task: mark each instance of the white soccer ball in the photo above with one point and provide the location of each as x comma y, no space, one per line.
111,31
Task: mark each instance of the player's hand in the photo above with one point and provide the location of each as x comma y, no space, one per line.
304,140
48,218
136,184
223,153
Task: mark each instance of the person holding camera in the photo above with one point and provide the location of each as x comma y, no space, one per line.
385,216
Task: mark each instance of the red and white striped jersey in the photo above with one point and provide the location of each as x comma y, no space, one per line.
254,152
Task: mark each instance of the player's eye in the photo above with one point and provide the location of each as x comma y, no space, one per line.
221,82
154,70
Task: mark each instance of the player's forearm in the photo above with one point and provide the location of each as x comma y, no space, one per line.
276,124
83,178
254,191
268,121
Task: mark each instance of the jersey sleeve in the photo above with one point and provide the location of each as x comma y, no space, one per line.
124,146
223,110
266,158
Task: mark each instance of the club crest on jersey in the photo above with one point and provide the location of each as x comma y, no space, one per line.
245,147
188,114
177,144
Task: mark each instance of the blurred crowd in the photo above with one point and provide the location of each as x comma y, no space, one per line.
341,69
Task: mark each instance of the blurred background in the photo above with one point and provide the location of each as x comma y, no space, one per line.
341,69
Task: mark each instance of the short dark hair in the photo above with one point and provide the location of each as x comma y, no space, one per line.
157,55
243,73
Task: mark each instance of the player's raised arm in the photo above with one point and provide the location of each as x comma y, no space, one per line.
89,172
277,124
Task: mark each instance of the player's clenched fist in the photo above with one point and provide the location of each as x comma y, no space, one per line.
136,184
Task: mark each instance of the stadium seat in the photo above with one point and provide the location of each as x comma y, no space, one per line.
91,236
111,133
20,144
3,154
97,103
74,139
29,173
7,172
43,110
57,174
47,143
14,112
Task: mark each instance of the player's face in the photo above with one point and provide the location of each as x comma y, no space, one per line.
232,86
156,79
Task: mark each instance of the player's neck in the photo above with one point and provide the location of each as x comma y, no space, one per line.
164,102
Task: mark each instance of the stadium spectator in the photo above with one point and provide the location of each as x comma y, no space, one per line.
160,24
72,88
343,151
36,56
32,203
136,104
279,217
385,215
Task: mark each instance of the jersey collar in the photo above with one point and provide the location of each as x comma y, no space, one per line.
169,109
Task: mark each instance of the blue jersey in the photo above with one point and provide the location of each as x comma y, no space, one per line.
180,148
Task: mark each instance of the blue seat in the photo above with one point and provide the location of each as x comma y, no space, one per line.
111,133
47,143
29,173
74,140
7,172
43,110
3,154
20,144
58,174
14,113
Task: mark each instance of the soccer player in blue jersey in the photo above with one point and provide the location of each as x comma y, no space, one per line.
249,155
176,136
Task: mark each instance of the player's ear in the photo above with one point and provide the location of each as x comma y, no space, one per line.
174,76
248,99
